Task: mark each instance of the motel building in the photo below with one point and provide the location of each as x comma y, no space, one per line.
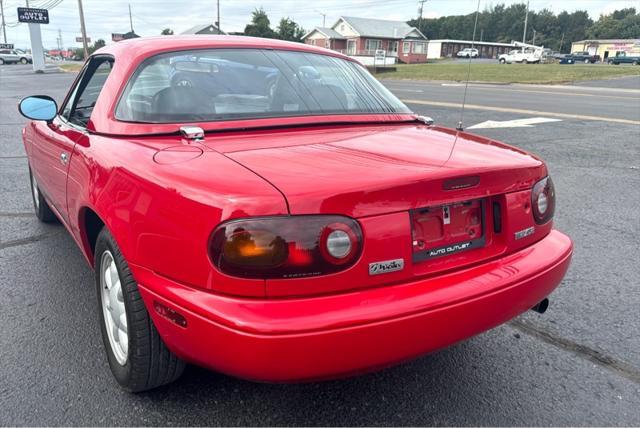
447,48
362,38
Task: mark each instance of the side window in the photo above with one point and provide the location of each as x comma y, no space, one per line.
81,102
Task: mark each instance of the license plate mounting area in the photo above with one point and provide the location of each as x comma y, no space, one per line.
443,230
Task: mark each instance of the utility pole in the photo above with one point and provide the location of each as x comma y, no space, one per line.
481,33
561,42
324,16
422,2
60,44
218,21
84,31
533,42
4,27
526,18
130,18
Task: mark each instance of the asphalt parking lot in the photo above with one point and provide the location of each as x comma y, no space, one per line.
578,364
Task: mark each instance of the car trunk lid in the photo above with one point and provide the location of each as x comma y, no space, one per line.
369,170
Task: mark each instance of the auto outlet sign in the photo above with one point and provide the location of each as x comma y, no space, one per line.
33,16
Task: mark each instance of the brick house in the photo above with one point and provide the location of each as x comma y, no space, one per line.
362,37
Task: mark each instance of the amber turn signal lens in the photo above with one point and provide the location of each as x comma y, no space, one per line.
286,246
254,248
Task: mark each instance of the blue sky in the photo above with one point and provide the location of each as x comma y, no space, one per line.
149,16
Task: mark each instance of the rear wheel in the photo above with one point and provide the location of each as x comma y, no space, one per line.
40,205
1,61
587,61
502,60
635,63
138,358
524,61
23,61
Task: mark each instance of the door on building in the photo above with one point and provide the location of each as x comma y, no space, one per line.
351,47
393,48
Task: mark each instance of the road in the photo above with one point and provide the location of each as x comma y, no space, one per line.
578,364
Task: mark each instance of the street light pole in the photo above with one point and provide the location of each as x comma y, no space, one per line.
4,27
130,18
526,18
84,31
218,22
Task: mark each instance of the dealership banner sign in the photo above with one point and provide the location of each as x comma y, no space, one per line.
32,15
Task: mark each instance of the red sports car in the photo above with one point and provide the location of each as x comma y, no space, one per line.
269,210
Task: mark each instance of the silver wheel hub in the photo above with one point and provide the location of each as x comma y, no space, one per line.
115,313
36,193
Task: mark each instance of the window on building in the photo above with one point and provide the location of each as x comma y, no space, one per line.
419,48
393,47
372,44
406,47
327,43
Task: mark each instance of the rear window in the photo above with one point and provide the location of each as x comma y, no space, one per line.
227,84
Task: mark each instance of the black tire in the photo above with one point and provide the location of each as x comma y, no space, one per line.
40,205
149,362
635,63
1,61
587,61
502,61
524,61
23,61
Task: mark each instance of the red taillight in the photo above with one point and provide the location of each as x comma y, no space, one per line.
285,247
543,200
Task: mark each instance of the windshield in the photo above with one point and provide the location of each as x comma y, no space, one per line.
226,84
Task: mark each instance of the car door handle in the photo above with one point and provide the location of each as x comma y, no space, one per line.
64,158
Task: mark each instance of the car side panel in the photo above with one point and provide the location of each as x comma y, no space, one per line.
162,215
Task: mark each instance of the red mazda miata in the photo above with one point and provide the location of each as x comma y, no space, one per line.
269,210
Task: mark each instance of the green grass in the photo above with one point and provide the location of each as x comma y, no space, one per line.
510,73
71,67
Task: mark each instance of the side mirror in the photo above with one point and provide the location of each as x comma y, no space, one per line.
38,107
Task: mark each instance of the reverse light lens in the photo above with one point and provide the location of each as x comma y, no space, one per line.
338,244
543,200
285,247
542,203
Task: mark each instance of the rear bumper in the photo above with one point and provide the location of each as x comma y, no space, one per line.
337,335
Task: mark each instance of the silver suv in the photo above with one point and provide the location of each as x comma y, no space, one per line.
8,56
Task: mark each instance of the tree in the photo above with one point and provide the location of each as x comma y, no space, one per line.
100,43
290,30
167,32
621,24
260,25
500,23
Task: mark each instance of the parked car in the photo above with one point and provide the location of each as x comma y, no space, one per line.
524,56
583,56
623,58
468,53
13,56
324,231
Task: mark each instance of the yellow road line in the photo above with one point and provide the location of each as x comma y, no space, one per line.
523,111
